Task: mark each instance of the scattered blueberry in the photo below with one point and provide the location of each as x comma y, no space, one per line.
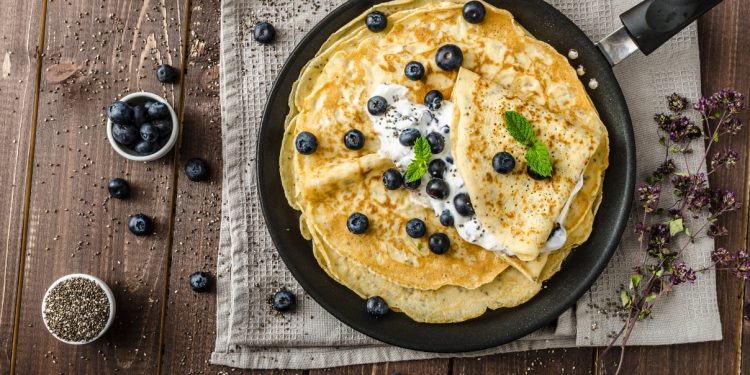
164,127
165,73
392,179
408,137
416,228
357,223
118,188
124,134
283,300
264,32
199,282
503,162
436,141
377,105
433,100
140,114
436,168
533,174
376,21
120,113
144,147
449,57
414,71
149,133
306,143
439,243
437,188
446,218
354,139
196,169
377,307
140,225
463,204
474,12
158,110
414,185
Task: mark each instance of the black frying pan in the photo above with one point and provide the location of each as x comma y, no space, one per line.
647,26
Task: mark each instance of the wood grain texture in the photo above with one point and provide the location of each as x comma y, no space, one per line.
95,52
551,361
19,39
428,367
725,62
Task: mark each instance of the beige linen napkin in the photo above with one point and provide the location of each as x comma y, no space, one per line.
249,335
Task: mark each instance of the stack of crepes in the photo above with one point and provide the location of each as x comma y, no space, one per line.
504,69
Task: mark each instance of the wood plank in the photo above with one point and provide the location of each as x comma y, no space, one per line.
428,367
551,361
725,62
20,28
96,52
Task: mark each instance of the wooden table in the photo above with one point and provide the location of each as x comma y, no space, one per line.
63,61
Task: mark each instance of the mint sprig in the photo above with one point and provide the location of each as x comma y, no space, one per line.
418,167
537,155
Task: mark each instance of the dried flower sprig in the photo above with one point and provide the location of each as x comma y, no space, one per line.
666,229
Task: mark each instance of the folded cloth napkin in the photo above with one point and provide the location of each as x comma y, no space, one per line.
249,335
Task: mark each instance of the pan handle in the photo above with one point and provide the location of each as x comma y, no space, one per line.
653,22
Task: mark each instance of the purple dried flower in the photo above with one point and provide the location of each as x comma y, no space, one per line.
733,125
682,273
658,240
706,105
639,228
722,257
742,265
723,201
678,128
730,99
727,158
717,231
649,196
664,170
677,103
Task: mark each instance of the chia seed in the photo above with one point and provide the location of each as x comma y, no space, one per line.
76,310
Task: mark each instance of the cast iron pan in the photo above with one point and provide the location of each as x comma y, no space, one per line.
495,327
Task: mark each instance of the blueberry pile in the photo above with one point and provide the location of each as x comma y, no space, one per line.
142,127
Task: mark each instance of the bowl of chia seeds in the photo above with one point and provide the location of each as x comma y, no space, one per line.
78,309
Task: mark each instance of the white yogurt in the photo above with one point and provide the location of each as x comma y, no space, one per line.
403,114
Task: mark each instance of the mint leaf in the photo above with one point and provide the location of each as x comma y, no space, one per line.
538,159
519,128
422,150
422,154
415,171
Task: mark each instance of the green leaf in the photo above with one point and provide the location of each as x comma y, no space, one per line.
651,297
519,128
635,279
675,226
681,174
422,154
716,136
625,298
538,158
422,150
415,170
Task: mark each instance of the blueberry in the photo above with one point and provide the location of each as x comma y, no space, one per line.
533,174
408,137
377,105
439,243
446,218
306,143
436,168
463,204
414,71
164,127
199,282
433,100
140,114
436,141
144,147
474,12
120,113
392,179
376,21
503,162
118,188
148,104
414,185
437,188
196,169
283,300
449,57
354,139
149,133
264,32
140,225
165,73
416,228
357,223
124,134
158,110
377,307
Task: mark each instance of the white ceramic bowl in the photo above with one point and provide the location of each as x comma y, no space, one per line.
126,152
107,291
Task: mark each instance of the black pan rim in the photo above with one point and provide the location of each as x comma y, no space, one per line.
373,329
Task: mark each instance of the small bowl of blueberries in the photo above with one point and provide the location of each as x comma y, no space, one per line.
142,126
